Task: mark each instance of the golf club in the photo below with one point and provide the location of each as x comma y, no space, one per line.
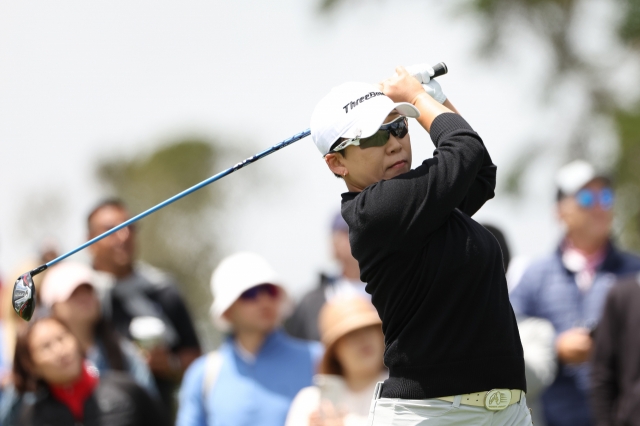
24,291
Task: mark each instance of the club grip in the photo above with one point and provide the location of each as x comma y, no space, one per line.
439,69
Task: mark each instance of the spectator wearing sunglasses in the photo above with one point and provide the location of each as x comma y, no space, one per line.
569,287
256,373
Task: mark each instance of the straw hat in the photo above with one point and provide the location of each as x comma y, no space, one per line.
339,318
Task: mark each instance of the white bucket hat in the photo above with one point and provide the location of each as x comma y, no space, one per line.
353,110
236,274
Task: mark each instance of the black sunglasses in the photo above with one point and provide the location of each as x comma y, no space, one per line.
398,128
253,293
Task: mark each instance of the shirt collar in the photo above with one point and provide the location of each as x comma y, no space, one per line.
612,258
244,354
247,356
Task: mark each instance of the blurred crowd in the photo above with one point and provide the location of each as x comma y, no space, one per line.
113,342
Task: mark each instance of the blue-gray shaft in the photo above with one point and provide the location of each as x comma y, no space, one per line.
184,193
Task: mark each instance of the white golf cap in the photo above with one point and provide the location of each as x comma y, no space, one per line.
572,177
61,280
353,110
233,276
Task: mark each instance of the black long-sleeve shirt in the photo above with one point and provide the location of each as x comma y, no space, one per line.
615,374
435,275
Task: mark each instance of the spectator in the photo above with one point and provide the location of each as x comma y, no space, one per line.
49,363
69,293
536,335
615,395
138,290
352,365
569,287
258,370
304,321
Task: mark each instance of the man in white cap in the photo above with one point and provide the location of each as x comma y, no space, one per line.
254,376
569,286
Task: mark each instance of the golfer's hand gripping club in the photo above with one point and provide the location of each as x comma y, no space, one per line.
425,74
24,291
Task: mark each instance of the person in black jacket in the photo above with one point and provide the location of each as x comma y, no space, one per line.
67,390
435,275
615,369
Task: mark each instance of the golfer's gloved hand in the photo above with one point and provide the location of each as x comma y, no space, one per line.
423,74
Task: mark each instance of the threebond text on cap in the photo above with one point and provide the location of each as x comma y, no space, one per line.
353,110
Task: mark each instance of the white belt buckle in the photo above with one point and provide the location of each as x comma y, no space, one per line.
497,399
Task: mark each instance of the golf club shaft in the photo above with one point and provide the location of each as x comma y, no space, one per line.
439,69
176,197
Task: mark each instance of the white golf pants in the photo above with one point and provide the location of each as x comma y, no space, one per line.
434,412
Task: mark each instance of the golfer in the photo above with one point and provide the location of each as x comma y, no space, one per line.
435,275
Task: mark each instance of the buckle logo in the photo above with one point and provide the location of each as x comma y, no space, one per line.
497,399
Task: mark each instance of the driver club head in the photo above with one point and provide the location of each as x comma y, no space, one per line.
24,296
